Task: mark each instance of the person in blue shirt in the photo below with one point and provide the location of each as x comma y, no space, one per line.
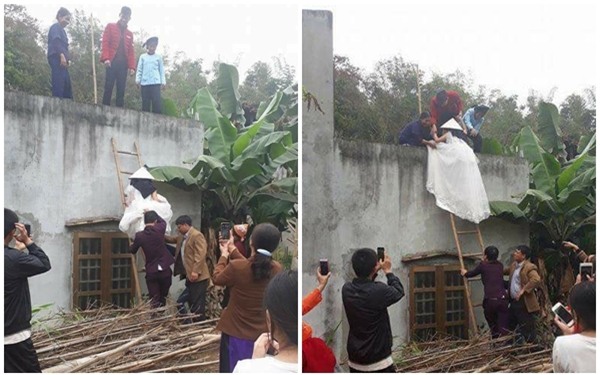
473,119
151,77
418,132
58,55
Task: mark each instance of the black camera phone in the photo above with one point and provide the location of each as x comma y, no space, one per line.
324,266
380,253
225,228
28,229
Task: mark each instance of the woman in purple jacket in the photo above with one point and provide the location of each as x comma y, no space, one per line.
495,299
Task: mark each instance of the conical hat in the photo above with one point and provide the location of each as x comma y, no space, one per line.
142,173
451,124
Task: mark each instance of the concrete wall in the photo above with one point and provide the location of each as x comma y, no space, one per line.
368,195
59,166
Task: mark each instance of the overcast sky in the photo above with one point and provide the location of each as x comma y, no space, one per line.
234,33
513,47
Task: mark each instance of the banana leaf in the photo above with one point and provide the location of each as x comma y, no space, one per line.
227,93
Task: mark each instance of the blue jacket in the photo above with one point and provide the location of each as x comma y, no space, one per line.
150,70
470,122
58,42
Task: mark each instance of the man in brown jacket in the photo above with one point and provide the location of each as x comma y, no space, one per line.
523,279
190,262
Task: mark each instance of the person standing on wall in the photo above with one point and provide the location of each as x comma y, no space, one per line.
117,56
150,76
19,353
58,55
473,119
190,260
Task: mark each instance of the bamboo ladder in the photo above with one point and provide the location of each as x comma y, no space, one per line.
120,173
466,281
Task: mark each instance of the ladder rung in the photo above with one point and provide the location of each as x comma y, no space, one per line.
127,153
125,172
478,278
467,231
478,305
472,255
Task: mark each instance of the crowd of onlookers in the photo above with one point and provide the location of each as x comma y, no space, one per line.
259,321
509,306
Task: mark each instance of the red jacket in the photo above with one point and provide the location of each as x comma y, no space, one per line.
110,43
452,109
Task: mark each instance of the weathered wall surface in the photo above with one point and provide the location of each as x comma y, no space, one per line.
368,195
59,166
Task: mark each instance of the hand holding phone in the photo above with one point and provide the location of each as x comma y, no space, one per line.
563,314
380,253
323,267
586,269
225,230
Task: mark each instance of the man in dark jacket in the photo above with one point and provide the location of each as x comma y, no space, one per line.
495,297
366,301
158,260
118,57
19,353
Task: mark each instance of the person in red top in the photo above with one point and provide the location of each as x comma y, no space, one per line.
444,106
118,57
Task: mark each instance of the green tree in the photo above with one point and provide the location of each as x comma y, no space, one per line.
184,77
25,64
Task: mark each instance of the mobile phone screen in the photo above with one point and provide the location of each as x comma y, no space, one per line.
324,264
380,253
563,314
225,228
28,229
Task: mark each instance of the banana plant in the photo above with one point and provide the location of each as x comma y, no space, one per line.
561,201
249,169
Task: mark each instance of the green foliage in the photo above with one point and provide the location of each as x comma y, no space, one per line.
250,170
561,203
25,64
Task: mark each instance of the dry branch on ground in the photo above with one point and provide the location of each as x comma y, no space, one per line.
140,339
480,354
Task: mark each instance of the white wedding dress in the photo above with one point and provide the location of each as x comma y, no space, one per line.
453,177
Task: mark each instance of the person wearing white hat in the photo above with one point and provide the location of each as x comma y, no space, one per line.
453,176
141,196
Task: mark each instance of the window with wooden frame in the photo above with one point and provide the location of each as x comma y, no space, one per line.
438,303
101,270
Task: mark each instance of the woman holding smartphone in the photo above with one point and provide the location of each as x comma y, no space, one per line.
244,318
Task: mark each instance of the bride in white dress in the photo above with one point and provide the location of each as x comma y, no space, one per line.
453,177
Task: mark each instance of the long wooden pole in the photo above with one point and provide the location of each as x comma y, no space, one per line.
418,87
94,60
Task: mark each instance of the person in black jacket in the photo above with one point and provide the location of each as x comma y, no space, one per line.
19,353
366,301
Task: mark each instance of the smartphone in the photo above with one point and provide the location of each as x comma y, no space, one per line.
324,264
225,228
586,269
28,229
563,314
380,253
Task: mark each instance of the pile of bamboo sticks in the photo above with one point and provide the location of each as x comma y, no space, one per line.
480,354
140,339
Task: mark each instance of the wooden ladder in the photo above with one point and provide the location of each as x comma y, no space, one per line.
120,173
457,233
